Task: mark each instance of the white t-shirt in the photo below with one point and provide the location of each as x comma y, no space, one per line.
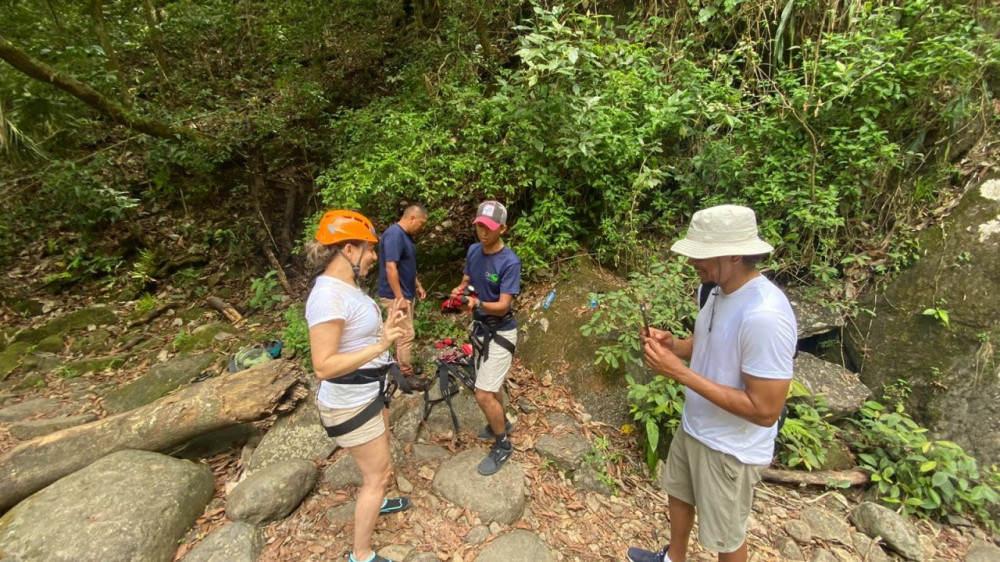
332,299
753,331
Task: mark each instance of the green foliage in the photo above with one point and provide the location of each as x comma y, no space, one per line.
657,409
430,325
146,303
295,336
938,313
601,458
917,475
264,291
806,435
666,290
183,340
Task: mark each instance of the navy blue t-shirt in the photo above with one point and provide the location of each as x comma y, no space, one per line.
396,245
493,274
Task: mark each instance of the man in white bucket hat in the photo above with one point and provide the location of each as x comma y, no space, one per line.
740,357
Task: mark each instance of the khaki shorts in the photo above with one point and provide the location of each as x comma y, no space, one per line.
367,432
491,374
717,484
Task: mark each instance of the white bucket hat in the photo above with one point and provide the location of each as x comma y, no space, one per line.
725,230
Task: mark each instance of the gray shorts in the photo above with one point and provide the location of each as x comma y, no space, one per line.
717,484
493,371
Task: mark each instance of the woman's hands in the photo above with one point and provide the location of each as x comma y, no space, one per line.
390,331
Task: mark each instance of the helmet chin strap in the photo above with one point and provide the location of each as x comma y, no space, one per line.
356,266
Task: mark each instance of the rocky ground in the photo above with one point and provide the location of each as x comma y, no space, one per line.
575,522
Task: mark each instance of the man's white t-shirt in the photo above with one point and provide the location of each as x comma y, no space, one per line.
332,299
753,331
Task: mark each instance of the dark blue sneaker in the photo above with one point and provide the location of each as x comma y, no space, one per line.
499,454
643,555
487,432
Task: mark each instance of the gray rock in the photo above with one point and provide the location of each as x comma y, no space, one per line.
868,549
899,535
788,549
516,545
470,416
236,542
843,390
813,318
799,530
396,551
403,484
424,557
983,552
96,316
271,493
565,450
341,513
422,452
297,436
499,497
819,555
825,525
28,409
159,381
478,534
586,478
405,418
95,364
11,356
526,405
130,505
36,428
559,422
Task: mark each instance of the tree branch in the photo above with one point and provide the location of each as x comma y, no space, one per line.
85,93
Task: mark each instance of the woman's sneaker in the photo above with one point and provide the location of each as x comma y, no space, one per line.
487,432
394,505
373,558
643,555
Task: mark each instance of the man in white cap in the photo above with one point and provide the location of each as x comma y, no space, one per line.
740,369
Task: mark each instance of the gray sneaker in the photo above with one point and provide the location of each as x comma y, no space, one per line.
499,454
487,434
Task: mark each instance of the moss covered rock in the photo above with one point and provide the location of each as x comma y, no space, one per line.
80,319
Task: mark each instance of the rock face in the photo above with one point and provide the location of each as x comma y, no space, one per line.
97,316
158,382
131,505
953,369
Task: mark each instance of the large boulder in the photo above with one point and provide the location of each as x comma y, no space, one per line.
499,497
843,390
131,505
236,542
952,367
77,320
271,493
159,381
899,534
296,436
516,545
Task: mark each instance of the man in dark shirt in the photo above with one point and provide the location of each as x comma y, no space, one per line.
495,272
397,279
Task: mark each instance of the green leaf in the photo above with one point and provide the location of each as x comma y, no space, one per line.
928,466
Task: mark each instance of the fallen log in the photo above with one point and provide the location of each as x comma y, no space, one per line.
225,308
217,403
832,478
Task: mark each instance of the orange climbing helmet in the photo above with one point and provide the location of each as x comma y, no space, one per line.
342,225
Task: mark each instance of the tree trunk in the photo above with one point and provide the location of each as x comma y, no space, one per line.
818,478
202,408
96,8
88,95
153,21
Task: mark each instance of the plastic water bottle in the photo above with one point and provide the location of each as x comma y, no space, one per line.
593,301
549,298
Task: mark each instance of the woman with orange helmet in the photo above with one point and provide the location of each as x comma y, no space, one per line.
350,354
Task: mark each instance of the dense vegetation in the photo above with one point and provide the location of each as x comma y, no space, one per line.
603,126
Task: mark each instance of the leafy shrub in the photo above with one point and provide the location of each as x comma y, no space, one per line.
296,334
917,475
805,436
264,291
657,409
